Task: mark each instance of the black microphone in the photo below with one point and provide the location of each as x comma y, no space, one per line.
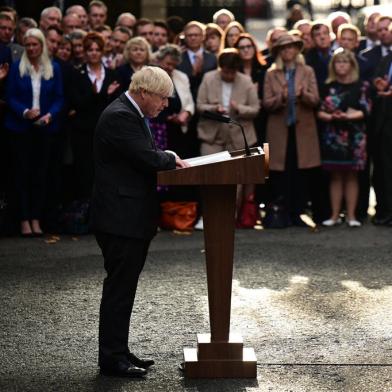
225,119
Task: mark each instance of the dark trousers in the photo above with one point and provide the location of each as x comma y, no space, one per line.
382,171
82,150
289,186
31,152
124,259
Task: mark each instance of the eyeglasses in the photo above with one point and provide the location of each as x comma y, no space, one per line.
244,47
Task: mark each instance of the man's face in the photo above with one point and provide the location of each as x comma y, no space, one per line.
153,103
118,41
348,40
127,22
160,36
337,22
193,38
223,20
52,42
321,38
7,28
52,18
97,16
82,14
371,26
71,23
306,37
147,31
383,32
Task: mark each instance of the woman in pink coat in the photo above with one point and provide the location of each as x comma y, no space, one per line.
290,97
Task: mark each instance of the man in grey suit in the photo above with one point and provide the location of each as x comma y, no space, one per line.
124,208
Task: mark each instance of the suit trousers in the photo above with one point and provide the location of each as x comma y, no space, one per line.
289,186
31,152
124,259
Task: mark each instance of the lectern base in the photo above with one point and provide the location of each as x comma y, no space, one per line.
220,368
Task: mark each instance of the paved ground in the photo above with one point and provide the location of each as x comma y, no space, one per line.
316,307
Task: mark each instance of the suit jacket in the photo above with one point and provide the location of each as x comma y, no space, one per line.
308,150
88,104
209,63
382,110
125,199
19,97
244,92
373,57
319,65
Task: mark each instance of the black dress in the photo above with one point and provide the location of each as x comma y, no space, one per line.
343,143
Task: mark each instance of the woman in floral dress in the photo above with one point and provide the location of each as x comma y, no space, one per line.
343,137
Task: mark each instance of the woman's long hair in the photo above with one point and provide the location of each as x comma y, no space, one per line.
343,54
26,68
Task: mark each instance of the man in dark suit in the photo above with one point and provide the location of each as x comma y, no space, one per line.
195,60
124,208
382,141
318,58
374,55
370,40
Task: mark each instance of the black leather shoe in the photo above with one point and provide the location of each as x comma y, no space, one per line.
141,363
381,220
123,369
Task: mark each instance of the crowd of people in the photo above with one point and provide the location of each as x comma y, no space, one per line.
320,94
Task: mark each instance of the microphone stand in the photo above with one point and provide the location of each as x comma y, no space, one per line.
219,118
247,149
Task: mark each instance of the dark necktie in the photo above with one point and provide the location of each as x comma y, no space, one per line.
146,121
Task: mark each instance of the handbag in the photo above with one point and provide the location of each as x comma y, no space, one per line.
178,215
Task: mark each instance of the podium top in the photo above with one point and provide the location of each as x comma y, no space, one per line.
220,169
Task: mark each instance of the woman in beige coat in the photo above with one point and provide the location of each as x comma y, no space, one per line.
291,97
228,92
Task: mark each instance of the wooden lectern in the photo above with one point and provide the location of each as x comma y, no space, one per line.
220,354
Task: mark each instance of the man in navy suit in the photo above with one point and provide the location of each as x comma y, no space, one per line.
382,140
374,55
124,208
195,60
371,39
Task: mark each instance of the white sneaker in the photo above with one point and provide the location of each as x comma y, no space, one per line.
199,225
354,223
332,222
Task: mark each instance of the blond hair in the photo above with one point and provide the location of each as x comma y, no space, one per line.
25,67
279,64
152,79
343,54
137,41
348,27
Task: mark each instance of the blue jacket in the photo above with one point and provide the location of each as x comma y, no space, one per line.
19,97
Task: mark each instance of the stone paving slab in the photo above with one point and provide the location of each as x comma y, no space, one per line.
315,306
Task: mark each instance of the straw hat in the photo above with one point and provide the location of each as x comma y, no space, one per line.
284,40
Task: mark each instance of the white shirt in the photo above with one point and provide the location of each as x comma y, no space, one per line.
36,86
385,50
134,104
226,94
192,55
93,78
